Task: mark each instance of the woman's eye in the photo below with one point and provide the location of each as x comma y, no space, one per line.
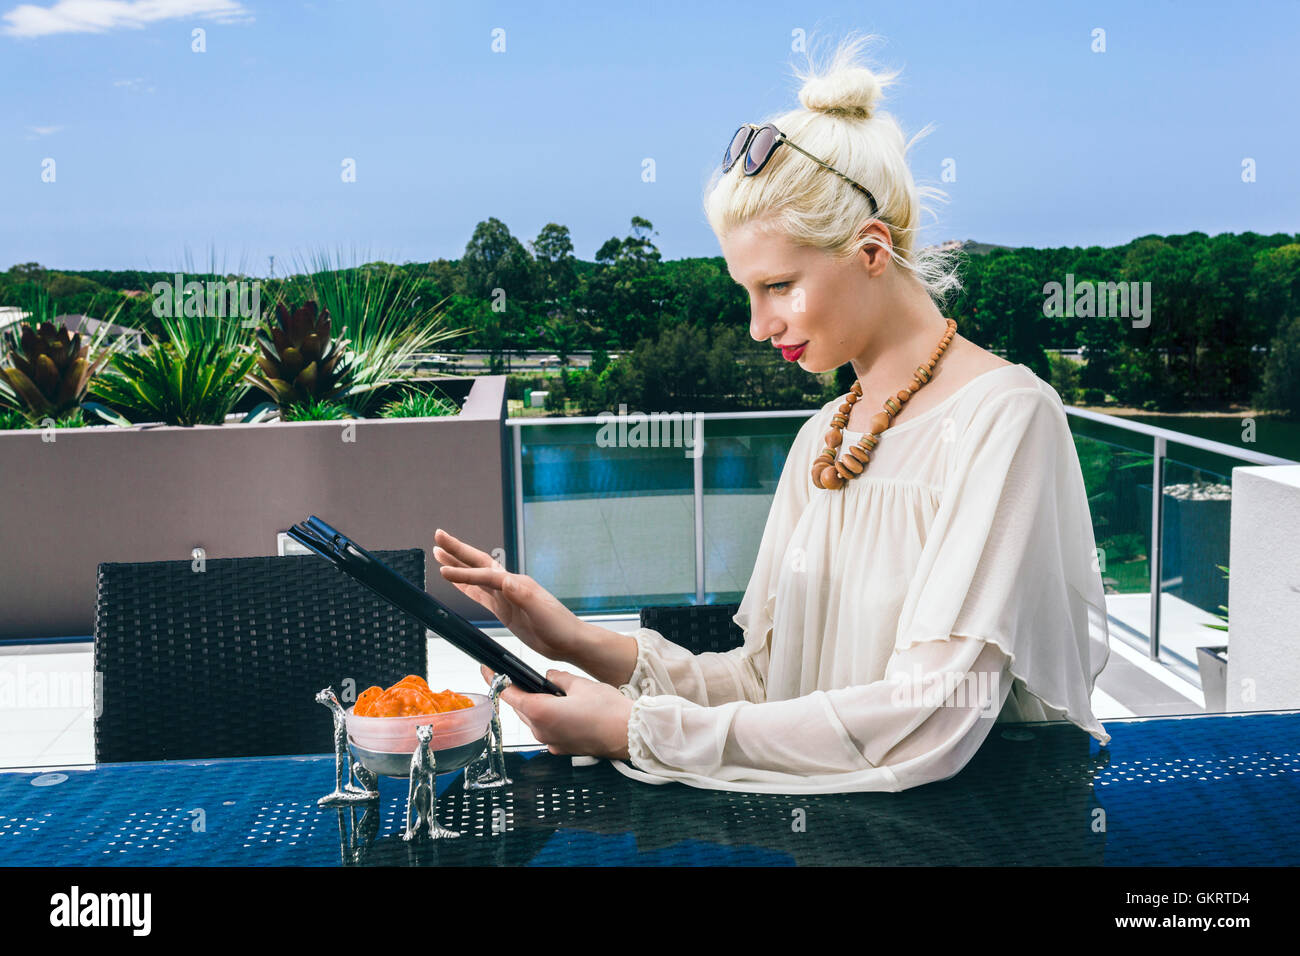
782,285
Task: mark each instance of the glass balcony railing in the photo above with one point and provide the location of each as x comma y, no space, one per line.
672,512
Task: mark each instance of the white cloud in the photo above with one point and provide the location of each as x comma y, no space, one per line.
134,86
100,16
38,131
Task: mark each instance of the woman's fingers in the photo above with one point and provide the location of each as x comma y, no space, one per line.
447,559
493,577
467,553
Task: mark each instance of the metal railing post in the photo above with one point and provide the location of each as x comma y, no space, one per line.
519,499
698,469
1157,526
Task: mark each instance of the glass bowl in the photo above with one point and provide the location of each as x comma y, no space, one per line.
388,742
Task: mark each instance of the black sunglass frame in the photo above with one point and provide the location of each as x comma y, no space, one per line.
728,160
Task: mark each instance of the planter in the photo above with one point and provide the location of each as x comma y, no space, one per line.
1213,665
152,493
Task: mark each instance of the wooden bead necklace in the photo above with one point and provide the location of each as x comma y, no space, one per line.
830,473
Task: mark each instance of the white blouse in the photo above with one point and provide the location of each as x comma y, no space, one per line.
889,623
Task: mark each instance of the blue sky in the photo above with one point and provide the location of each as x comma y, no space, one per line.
162,153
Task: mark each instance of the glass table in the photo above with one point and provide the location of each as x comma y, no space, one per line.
1196,791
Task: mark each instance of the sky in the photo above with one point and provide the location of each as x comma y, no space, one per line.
165,157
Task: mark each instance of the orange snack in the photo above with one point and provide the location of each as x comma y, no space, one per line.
409,697
366,700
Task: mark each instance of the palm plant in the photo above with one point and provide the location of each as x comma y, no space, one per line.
194,375
381,310
299,361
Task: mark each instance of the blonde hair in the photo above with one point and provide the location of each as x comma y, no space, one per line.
840,124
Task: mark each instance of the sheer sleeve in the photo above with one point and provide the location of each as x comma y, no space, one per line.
663,667
922,723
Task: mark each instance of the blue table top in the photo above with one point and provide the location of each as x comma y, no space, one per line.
1215,790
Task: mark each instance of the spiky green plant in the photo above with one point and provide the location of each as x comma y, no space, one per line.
314,410
385,316
417,404
299,361
194,375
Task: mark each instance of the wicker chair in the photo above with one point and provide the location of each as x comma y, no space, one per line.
696,627
227,662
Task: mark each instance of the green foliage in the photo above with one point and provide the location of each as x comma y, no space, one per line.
1281,380
417,404
11,418
1064,377
315,410
385,311
193,376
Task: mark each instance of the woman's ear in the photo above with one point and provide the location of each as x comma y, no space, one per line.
875,246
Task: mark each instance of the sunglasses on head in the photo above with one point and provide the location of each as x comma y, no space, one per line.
757,144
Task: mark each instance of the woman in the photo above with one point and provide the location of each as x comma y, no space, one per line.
927,566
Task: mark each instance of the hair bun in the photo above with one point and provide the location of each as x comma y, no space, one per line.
851,92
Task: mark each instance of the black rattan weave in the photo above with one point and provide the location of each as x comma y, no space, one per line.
226,662
697,627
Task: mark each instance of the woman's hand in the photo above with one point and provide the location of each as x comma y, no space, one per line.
531,613
590,721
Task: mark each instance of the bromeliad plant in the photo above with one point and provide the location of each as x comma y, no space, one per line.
47,373
300,363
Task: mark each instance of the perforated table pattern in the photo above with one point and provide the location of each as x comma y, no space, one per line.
1171,791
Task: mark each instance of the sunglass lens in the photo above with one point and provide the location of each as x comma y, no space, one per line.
760,149
735,148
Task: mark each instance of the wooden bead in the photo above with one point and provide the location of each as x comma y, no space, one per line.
830,471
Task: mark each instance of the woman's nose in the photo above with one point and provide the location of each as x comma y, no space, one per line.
762,327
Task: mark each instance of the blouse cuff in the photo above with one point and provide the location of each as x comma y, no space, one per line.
638,754
640,682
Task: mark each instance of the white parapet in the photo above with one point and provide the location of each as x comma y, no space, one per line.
1264,589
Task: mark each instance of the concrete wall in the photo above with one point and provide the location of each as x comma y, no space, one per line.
1264,589
153,493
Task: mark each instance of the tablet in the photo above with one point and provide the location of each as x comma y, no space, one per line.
360,564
